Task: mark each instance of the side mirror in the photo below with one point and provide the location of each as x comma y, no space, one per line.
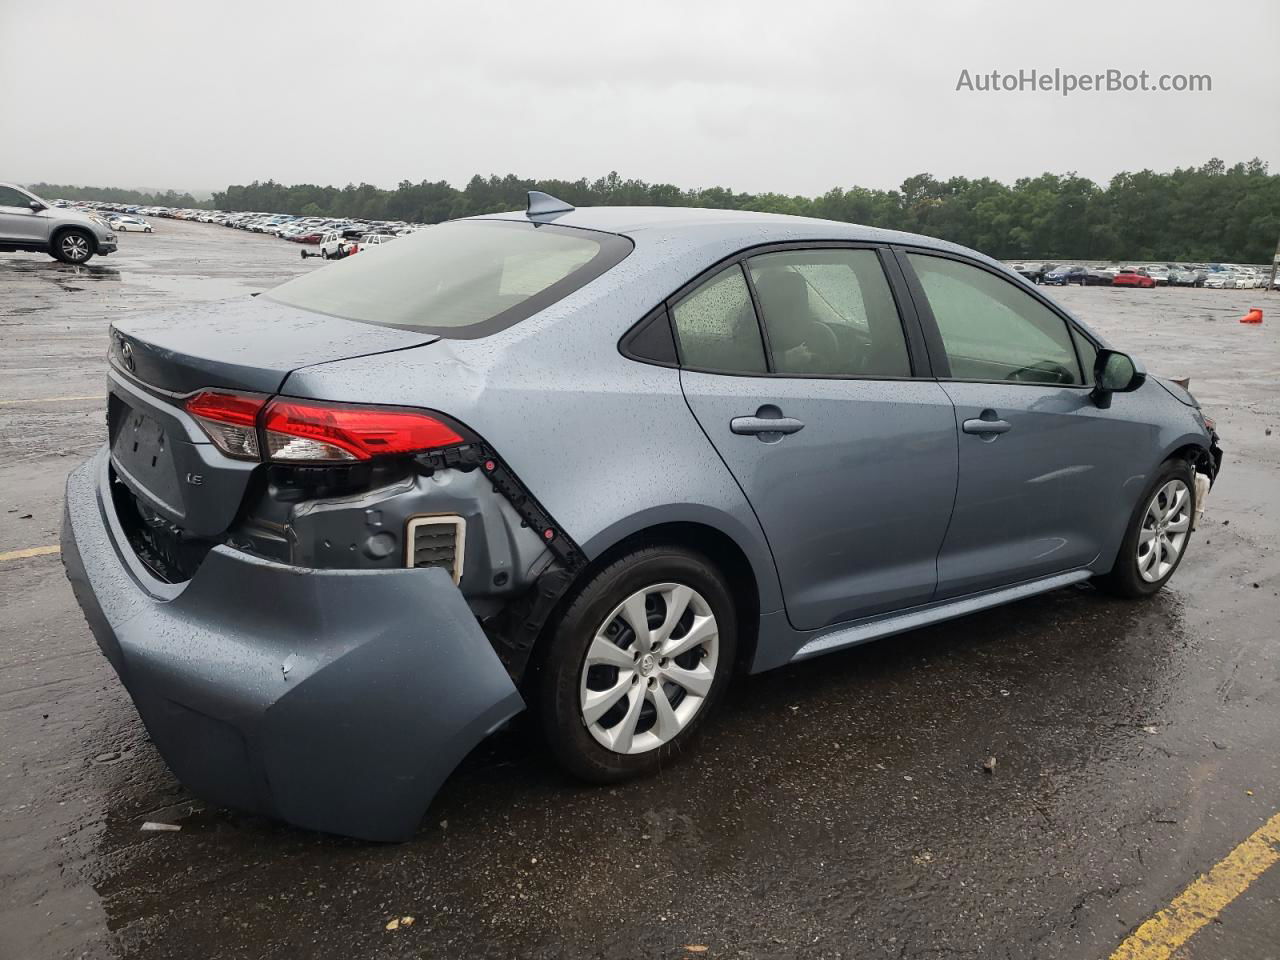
36,206
1115,372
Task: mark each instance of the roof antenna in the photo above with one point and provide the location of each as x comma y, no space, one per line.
541,204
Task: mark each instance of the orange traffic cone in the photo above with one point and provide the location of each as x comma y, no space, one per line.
1253,316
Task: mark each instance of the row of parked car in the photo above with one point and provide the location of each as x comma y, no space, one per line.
1216,276
118,219
333,238
309,230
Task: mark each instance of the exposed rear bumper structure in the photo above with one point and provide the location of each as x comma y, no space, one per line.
336,700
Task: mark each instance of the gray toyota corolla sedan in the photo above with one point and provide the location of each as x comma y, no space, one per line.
588,462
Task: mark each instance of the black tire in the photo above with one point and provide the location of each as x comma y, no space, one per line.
1124,579
558,674
73,246
324,254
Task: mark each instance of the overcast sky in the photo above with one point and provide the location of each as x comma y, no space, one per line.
785,95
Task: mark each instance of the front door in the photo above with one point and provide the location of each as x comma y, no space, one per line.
18,222
1041,466
848,461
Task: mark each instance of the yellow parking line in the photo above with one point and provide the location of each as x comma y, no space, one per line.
6,403
29,552
1207,897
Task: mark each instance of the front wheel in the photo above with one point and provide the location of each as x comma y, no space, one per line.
636,664
1158,533
73,246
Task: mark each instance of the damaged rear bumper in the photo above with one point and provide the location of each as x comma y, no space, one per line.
337,700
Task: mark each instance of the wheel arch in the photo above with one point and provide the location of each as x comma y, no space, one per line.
1194,449
1191,448
57,232
732,527
729,556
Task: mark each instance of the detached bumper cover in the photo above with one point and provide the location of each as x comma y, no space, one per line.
333,700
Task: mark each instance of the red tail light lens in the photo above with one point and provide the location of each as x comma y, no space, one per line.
298,431
230,420
302,431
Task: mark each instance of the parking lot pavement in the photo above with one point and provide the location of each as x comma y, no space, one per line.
838,808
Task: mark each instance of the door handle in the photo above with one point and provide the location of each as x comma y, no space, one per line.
768,424
984,427
756,425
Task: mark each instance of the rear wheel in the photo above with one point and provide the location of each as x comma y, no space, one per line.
638,661
1158,534
73,246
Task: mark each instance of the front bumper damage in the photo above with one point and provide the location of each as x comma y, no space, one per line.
336,700
1207,464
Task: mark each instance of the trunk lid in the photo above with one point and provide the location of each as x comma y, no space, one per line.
249,344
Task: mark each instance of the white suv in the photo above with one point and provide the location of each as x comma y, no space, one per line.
29,223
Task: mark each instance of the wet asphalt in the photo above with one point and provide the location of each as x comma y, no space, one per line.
838,808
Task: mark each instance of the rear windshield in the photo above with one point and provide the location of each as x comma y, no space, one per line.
462,279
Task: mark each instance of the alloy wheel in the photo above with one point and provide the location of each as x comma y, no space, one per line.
1165,527
75,247
649,668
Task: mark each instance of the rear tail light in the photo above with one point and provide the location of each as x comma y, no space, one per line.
302,431
230,420
297,430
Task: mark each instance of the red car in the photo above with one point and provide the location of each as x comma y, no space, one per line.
1133,278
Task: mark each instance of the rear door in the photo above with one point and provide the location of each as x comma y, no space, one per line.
1041,467
798,367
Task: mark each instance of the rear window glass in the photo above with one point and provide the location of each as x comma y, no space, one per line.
462,279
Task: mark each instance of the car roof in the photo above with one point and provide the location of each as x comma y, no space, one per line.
748,227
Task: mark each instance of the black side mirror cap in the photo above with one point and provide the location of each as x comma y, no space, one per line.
1115,372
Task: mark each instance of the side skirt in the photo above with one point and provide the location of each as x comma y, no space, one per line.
841,636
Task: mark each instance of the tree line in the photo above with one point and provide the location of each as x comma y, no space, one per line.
1208,213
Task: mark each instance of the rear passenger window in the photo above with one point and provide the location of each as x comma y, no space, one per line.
716,326
993,331
829,313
